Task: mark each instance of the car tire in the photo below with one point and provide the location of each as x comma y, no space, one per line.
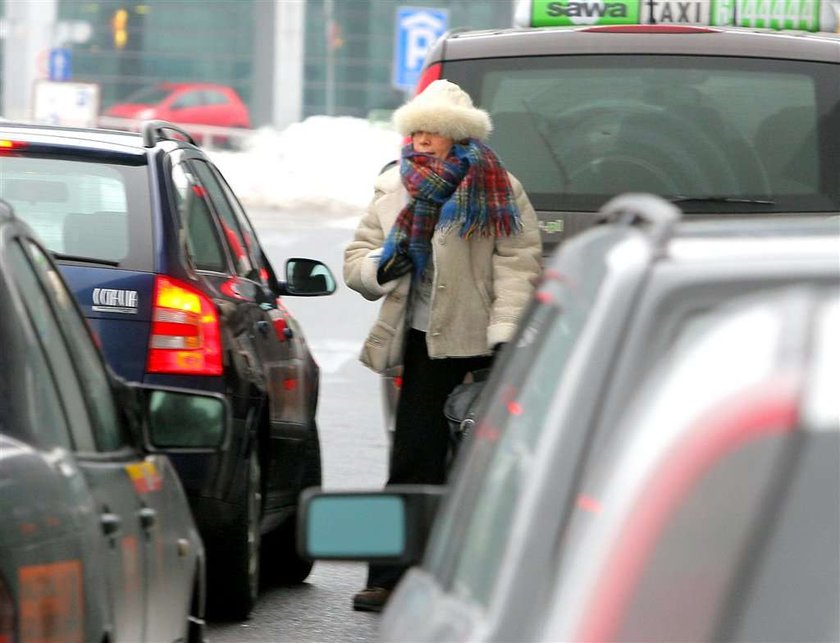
282,565
234,583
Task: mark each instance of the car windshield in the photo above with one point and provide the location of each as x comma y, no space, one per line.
149,95
718,134
97,211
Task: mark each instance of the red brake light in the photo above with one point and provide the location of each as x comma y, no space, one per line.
650,29
278,320
431,73
7,145
185,337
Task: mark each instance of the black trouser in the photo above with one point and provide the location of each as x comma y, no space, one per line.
421,431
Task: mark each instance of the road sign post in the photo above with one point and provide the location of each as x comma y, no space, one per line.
417,28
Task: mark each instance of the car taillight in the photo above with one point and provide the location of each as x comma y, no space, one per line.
7,614
7,145
649,29
185,337
431,73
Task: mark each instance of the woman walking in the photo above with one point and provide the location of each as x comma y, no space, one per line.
451,242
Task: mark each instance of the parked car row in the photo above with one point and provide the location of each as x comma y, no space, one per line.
656,456
168,275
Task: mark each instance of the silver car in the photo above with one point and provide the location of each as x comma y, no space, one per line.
615,301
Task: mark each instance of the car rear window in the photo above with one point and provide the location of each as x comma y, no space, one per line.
579,129
78,208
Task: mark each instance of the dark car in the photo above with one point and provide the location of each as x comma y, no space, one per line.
725,121
171,276
96,538
612,301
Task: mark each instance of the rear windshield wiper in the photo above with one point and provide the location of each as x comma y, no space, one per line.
719,199
102,262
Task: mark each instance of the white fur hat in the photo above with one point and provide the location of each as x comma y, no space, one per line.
446,109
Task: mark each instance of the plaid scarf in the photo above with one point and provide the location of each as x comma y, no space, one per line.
469,190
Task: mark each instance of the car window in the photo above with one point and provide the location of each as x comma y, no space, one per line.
505,441
664,487
28,395
248,232
188,99
236,242
59,360
89,365
214,98
148,95
203,244
98,210
579,129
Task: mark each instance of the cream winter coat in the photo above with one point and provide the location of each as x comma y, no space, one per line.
481,285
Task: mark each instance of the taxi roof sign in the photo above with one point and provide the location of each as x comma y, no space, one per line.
800,15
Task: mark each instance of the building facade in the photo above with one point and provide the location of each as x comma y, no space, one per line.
288,59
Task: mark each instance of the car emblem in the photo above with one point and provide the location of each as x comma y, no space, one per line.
113,300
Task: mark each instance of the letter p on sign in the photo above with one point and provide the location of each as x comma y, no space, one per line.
417,29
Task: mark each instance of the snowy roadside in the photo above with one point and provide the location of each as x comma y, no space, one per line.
325,163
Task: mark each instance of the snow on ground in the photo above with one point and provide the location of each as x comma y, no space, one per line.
322,162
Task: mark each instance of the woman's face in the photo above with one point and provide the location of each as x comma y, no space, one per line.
434,144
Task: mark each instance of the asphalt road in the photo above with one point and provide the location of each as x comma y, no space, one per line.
352,434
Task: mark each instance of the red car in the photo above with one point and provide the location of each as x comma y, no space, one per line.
197,103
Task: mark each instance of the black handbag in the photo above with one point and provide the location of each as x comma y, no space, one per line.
461,406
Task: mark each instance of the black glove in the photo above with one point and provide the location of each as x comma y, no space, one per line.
395,267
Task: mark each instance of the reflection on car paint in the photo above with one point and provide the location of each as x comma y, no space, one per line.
52,602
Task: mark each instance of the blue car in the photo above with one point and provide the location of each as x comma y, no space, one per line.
171,276
96,538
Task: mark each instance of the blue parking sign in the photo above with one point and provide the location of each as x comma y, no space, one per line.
417,29
60,64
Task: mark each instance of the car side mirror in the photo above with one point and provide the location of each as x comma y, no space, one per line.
389,526
308,278
185,421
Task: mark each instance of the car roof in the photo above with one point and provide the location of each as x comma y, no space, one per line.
94,140
89,138
169,85
742,240
716,240
643,39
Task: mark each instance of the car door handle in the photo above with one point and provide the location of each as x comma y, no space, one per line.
148,517
110,523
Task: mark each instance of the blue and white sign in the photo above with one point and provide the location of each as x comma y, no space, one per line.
416,31
60,64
